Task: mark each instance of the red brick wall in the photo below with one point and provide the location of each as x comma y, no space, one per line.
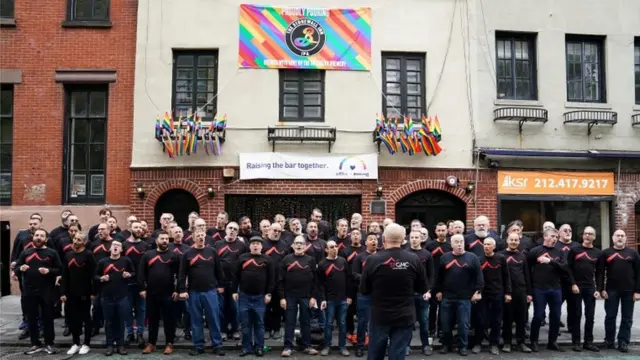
38,46
396,183
628,194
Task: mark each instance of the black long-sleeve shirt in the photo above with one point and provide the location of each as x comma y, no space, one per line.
78,273
229,252
458,276
100,249
518,271
158,272
437,249
179,249
497,278
314,248
551,275
349,253
35,283
297,277
565,248
93,233
116,286
357,267
56,234
392,277
427,262
254,274
202,269
334,280
22,240
276,250
620,268
341,242
134,251
582,263
65,244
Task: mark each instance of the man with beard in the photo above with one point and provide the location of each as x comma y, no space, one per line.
324,229
564,244
516,227
101,249
264,228
356,221
582,262
341,237
156,280
218,232
134,248
200,225
276,249
39,266
516,310
126,233
496,292
229,251
200,280
618,276
349,253
93,232
392,277
314,244
77,292
113,273
254,281
422,305
458,284
246,230
65,245
458,228
436,248
474,241
296,229
333,293
548,270
296,288
285,236
364,301
112,224
180,307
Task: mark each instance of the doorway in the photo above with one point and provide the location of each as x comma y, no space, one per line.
5,258
178,202
430,207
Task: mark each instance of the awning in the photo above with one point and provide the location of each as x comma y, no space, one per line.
587,154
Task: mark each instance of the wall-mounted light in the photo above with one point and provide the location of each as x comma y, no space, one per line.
140,190
210,191
470,186
453,181
379,191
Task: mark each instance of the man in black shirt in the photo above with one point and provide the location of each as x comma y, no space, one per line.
200,280
349,253
180,307
157,275
459,283
392,277
618,276
133,248
364,301
564,244
93,232
437,247
38,266
422,305
101,249
276,249
113,274
254,278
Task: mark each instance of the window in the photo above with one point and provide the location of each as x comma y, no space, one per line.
516,66
585,69
195,75
89,10
636,63
85,144
302,95
6,142
7,10
403,75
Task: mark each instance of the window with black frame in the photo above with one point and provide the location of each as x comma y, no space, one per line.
88,10
6,143
516,73
302,95
7,9
85,142
403,76
585,69
195,83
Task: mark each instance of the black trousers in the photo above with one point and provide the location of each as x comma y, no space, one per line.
487,315
585,296
515,312
161,306
42,305
351,313
434,315
567,296
274,315
78,313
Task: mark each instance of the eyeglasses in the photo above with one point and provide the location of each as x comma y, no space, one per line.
232,228
276,231
589,233
298,243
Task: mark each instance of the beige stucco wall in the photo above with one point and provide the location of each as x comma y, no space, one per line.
250,97
618,20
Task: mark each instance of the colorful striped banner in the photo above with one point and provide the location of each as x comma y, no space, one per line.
304,38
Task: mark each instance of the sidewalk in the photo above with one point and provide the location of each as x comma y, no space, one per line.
10,319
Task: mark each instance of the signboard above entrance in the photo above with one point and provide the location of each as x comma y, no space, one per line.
308,167
556,183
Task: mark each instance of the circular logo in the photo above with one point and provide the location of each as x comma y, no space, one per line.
305,37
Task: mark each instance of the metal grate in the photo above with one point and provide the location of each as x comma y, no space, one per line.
521,115
635,119
302,134
591,118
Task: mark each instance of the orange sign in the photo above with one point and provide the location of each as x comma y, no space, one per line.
555,183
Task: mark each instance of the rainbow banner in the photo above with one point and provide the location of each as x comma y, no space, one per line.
304,38
409,136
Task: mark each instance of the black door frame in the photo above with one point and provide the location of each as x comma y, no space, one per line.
454,202
181,219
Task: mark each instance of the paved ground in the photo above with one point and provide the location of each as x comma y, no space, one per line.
10,318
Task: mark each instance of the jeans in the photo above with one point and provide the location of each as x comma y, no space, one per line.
97,315
78,311
542,297
205,303
624,299
293,305
488,315
451,309
138,305
586,296
115,311
274,315
228,311
181,311
336,309
161,306
398,339
422,313
515,312
364,314
319,316
252,309
434,316
39,304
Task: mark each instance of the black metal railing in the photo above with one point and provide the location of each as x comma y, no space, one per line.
521,115
302,134
591,118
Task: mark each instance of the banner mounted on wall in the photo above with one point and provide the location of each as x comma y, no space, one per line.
308,167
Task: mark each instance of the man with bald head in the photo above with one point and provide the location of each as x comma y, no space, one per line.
392,277
474,242
564,244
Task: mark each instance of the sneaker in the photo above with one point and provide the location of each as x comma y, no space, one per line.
494,350
344,352
523,348
310,351
476,349
33,350
236,335
50,349
506,348
325,351
74,350
590,347
109,351
427,350
286,353
84,350
276,335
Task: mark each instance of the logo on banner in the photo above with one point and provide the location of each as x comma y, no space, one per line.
305,37
352,166
514,182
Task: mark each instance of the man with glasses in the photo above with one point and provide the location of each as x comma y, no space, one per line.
564,244
276,249
218,232
165,219
101,249
200,225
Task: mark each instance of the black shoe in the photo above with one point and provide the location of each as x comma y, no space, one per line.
259,352
554,347
359,352
608,346
218,351
624,348
463,352
576,347
196,352
129,339
141,342
95,332
24,334
534,347
187,335
33,350
244,353
590,347
109,351
122,350
427,351
66,332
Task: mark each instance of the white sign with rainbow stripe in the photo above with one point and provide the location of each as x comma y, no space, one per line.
273,165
